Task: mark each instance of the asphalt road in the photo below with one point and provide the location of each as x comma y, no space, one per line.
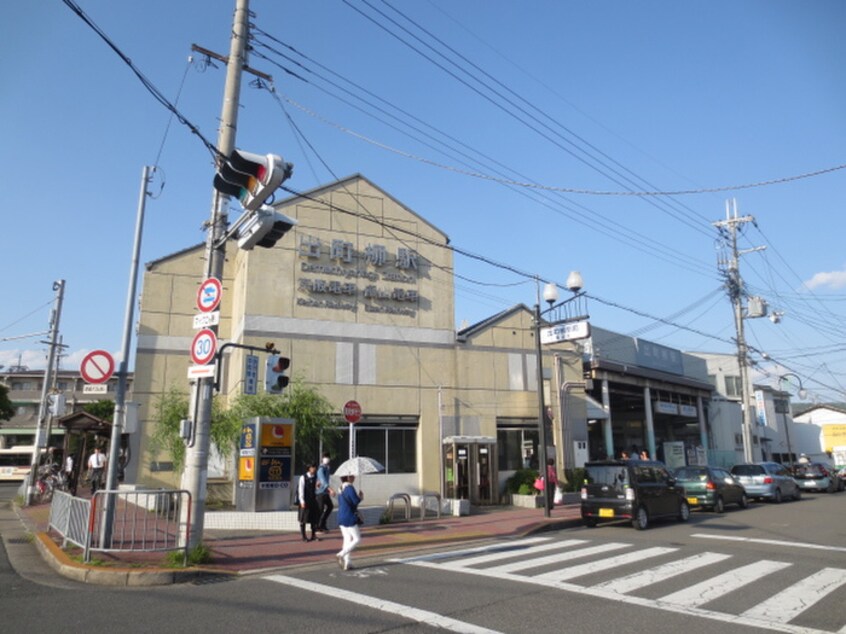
670,578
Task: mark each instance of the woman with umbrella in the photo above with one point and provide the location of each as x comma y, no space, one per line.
348,519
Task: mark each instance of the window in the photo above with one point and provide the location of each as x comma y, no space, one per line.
733,386
513,441
392,444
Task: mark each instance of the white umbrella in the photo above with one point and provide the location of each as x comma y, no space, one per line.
358,466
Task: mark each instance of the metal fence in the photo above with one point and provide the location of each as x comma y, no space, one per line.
124,521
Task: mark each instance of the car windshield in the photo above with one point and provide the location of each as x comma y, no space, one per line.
747,469
610,475
691,474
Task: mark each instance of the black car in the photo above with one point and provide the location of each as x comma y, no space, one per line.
638,490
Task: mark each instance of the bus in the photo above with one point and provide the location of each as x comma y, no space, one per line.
15,463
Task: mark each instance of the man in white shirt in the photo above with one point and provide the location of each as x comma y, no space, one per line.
96,463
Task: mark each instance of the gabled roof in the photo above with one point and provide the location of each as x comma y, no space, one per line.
149,265
803,408
491,321
342,183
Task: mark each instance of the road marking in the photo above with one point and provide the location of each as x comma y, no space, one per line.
789,603
604,564
659,573
558,557
770,542
723,584
518,552
449,554
405,611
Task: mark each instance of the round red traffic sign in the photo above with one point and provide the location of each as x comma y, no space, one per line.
209,294
352,411
203,347
97,367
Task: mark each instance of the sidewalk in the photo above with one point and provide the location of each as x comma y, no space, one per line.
239,552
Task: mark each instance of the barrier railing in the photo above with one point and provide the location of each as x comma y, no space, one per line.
406,499
124,521
424,504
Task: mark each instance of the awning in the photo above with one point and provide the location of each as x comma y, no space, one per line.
595,411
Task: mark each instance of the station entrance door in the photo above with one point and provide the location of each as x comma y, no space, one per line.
470,469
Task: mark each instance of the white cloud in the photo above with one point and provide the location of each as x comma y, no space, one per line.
830,279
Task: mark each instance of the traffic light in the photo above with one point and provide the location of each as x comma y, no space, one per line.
276,378
251,178
263,228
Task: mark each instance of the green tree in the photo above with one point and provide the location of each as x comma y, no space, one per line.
311,410
7,410
104,410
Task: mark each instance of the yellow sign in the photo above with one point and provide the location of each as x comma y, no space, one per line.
833,436
246,468
277,435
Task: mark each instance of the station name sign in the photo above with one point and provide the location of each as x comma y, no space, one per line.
568,331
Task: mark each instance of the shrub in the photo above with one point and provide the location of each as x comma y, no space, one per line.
522,478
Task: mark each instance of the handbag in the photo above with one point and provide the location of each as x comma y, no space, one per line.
539,484
358,519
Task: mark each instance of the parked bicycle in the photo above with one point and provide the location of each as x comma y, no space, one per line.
50,478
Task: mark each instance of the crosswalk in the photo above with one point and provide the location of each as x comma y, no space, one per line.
707,584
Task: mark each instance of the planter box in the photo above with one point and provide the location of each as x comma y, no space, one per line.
454,507
527,501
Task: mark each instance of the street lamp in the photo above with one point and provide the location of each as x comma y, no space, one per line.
802,394
550,296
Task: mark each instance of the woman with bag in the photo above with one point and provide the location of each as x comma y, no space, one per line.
348,519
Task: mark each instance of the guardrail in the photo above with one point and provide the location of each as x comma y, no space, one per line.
124,521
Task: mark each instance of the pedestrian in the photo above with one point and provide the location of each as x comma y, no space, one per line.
551,483
348,519
324,493
307,498
644,455
96,465
68,471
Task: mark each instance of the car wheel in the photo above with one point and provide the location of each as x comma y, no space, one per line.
744,501
777,496
719,505
684,511
590,522
641,519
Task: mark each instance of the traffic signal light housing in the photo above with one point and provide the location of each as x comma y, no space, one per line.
276,378
251,178
263,228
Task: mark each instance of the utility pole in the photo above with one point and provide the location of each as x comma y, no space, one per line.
41,439
197,455
734,285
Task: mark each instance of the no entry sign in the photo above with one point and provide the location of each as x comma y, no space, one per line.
208,295
97,367
352,411
203,347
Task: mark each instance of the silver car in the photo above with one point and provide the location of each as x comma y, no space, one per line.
767,480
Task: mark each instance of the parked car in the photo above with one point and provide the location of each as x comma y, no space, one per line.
710,488
637,490
816,476
767,481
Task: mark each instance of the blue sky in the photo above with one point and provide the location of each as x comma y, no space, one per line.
602,96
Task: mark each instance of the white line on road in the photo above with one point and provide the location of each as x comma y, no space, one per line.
604,564
771,542
449,554
660,573
726,583
518,552
557,558
405,611
789,603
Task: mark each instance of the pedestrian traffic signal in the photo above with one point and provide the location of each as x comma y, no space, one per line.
263,228
251,178
276,378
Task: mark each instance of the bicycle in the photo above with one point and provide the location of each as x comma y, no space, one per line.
49,479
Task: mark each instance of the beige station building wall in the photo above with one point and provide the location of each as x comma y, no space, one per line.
360,296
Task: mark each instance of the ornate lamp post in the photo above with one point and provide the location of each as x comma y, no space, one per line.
550,295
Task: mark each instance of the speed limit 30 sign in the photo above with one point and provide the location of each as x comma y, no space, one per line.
204,347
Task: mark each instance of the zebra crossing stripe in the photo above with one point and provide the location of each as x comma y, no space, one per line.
715,587
659,573
514,552
789,603
556,558
603,564
509,547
